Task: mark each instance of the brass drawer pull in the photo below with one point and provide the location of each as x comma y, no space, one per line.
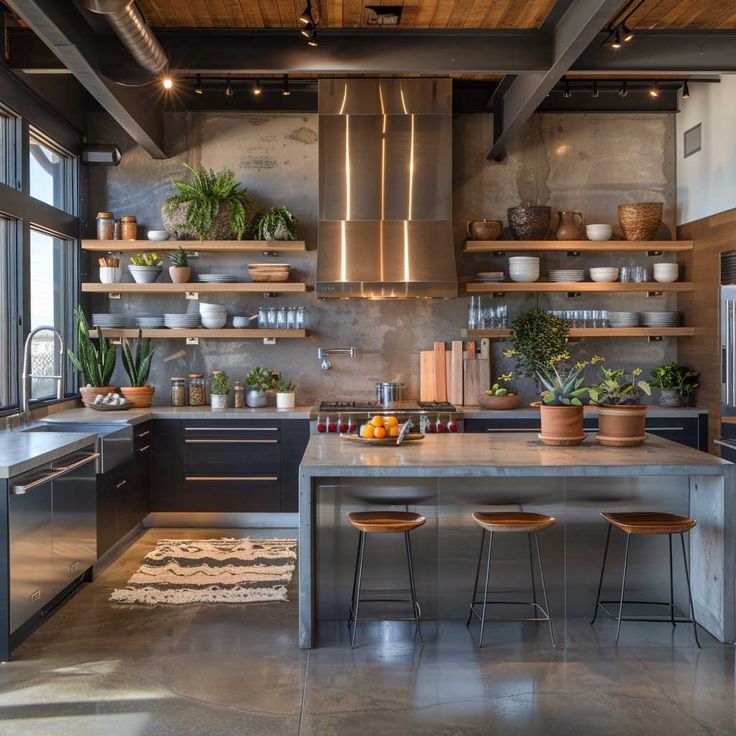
230,477
144,434
231,429
231,442
121,484
144,448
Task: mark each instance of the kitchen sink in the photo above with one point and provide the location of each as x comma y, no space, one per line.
114,441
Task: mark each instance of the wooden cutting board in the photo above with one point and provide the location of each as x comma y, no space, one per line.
485,369
440,371
455,373
427,384
473,372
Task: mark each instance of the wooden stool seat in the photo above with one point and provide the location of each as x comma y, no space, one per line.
649,522
384,522
513,521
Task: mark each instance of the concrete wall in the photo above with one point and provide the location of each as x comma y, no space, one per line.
584,162
706,180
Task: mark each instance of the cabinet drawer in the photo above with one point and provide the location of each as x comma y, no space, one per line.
263,430
142,437
235,493
235,455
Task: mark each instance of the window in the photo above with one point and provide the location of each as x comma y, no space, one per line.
8,129
51,172
7,231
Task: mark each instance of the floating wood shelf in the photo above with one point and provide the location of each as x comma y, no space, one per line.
166,287
230,333
201,246
576,286
597,332
602,246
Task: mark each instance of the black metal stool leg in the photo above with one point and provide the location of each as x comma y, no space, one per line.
361,556
600,582
672,586
689,590
355,580
544,591
485,590
623,589
415,603
531,571
477,575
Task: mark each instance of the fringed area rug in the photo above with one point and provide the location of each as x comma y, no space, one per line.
212,571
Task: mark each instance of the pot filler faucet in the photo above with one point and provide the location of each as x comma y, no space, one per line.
27,376
324,353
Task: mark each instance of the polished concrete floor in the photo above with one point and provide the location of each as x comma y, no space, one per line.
208,670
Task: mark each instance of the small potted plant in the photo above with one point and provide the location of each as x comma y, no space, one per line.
285,396
676,384
499,395
257,382
179,270
138,365
96,363
145,267
278,223
561,408
219,390
621,415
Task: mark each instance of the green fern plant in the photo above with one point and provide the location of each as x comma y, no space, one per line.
95,363
278,223
203,196
138,364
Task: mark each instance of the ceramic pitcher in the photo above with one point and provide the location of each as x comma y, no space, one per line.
569,225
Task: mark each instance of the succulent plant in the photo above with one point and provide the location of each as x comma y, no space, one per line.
145,259
178,258
259,378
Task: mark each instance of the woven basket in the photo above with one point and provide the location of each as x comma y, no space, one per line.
640,221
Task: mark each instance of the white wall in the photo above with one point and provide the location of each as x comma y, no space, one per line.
706,180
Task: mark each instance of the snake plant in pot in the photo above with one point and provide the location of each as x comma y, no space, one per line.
257,382
96,363
561,407
621,413
137,364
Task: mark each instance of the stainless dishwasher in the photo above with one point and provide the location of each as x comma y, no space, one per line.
52,514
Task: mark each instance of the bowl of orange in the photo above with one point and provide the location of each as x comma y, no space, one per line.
382,430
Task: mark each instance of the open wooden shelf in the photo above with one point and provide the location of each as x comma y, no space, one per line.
576,286
201,246
230,333
603,246
597,332
166,287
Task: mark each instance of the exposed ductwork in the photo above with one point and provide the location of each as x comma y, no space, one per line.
127,21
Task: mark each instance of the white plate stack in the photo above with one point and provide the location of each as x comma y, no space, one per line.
660,319
216,278
623,319
109,321
213,316
149,323
524,269
564,275
181,321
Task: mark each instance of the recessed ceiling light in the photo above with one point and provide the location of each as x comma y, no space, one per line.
167,82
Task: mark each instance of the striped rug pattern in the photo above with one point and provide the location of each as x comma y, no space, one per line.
244,570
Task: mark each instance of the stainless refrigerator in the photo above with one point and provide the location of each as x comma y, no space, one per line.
727,440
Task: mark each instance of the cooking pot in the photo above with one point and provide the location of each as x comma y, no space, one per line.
388,393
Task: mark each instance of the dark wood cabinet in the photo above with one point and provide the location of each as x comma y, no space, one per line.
295,436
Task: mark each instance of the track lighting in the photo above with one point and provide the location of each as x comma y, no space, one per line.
596,91
228,89
199,89
312,40
654,90
616,43
624,90
257,89
286,90
567,92
167,82
685,91
306,16
308,30
626,32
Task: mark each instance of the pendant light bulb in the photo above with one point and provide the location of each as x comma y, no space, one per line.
596,91
257,90
286,90
167,82
627,33
654,90
312,40
308,30
199,89
229,92
567,92
685,91
624,90
616,43
306,16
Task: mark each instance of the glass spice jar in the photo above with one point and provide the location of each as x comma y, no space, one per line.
105,226
178,391
128,227
239,393
197,390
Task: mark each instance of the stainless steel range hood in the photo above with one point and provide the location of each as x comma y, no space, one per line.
385,189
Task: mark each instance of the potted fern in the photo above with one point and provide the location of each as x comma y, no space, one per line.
179,270
278,223
285,393
257,382
96,363
219,390
210,206
137,365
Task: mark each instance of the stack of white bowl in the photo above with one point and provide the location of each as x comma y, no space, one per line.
599,231
524,268
564,275
241,321
213,316
623,319
665,273
604,275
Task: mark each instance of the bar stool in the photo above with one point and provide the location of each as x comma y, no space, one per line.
383,522
511,522
647,522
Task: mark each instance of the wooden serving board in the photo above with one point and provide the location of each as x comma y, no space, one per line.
410,437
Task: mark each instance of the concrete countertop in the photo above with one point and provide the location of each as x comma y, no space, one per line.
468,455
665,412
23,451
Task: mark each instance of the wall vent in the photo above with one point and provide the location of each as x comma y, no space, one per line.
692,140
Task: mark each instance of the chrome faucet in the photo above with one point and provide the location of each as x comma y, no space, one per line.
323,353
27,376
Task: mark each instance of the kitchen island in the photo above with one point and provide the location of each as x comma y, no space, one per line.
447,477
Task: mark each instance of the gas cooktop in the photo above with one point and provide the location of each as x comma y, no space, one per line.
373,406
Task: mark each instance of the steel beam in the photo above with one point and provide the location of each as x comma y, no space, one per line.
139,111
575,30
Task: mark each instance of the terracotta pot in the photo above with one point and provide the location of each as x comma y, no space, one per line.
140,396
88,393
622,426
529,222
180,274
640,221
561,425
485,229
498,402
569,225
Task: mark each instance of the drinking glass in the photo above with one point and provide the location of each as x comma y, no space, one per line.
272,317
262,317
290,318
281,318
626,274
301,318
